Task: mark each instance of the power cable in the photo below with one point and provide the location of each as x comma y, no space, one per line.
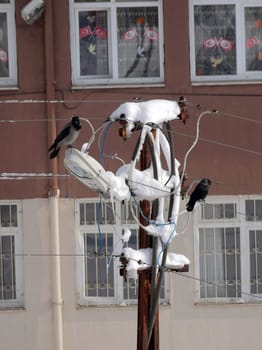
140,262
34,101
238,148
214,284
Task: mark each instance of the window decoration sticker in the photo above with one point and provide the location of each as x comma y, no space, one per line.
222,43
3,56
132,33
4,68
253,27
215,40
138,42
252,42
93,43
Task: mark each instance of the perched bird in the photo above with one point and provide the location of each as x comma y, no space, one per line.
200,192
67,136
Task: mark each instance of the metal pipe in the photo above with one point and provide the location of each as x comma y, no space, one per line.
53,182
57,301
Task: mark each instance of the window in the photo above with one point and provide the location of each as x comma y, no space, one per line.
229,236
226,40
10,256
99,240
8,75
116,42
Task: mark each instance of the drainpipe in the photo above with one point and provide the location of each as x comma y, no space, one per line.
57,301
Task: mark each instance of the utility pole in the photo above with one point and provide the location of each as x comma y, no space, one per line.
150,279
145,276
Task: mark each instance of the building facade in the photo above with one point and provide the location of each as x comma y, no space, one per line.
60,286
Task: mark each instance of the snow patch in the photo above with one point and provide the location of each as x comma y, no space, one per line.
141,259
153,111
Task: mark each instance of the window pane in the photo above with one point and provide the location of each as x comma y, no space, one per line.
218,211
138,42
215,47
126,213
253,25
130,285
87,214
254,210
250,210
207,211
134,0
219,261
99,277
93,36
230,211
82,214
7,268
110,217
92,0
232,261
255,242
258,210
100,213
4,66
8,215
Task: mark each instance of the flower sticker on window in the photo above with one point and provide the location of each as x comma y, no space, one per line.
130,34
252,42
3,56
98,31
222,43
151,34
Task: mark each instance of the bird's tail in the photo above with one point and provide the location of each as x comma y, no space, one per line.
190,206
53,146
54,153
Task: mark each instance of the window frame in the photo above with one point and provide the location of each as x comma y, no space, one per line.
242,76
82,299
16,232
9,9
119,284
112,80
245,226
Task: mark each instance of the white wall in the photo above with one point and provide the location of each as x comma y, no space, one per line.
183,324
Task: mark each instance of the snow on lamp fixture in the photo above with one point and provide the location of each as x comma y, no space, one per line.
87,170
32,11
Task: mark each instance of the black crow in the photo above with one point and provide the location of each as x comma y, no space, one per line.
200,192
67,136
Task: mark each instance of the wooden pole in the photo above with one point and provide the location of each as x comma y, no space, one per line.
144,278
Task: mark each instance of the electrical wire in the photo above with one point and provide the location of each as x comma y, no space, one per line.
231,115
194,143
101,143
103,101
214,284
43,101
238,148
140,262
223,144
92,138
23,176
